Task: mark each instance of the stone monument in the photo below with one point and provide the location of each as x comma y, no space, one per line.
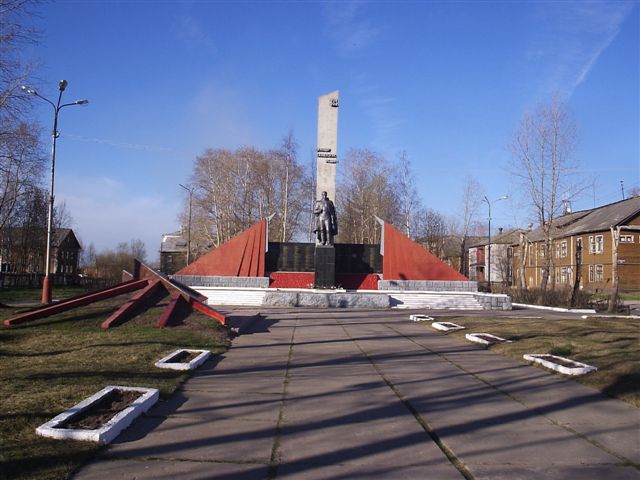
326,154
324,209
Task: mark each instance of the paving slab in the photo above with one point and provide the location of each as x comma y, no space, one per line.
378,441
157,469
322,394
315,471
177,438
226,404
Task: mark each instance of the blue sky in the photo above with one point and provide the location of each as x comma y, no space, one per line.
445,81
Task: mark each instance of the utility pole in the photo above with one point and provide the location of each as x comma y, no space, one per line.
190,190
47,282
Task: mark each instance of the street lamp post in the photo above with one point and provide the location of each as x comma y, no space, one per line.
504,197
190,190
62,85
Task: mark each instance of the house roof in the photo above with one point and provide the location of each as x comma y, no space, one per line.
173,243
60,235
509,237
594,220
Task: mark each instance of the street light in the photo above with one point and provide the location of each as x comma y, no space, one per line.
504,197
190,190
62,85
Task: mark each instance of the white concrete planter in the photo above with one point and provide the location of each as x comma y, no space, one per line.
552,362
418,317
485,339
447,326
192,365
109,430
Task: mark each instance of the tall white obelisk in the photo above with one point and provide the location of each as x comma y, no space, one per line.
327,151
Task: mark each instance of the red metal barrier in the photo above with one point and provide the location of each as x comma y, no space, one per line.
171,310
75,302
207,310
120,315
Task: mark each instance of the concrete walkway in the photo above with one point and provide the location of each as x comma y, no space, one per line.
359,395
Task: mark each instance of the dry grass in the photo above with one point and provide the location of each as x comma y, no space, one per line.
51,364
611,344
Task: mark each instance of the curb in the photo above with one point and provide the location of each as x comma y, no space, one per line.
553,309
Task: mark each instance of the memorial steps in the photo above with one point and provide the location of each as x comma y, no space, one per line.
348,299
435,301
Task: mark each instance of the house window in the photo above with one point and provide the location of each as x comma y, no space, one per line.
562,275
592,277
626,238
561,249
596,244
599,273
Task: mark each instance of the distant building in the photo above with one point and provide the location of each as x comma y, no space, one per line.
65,252
501,258
173,252
599,241
23,251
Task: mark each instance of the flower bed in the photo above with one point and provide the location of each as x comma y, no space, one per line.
485,339
560,364
184,359
418,317
447,326
101,417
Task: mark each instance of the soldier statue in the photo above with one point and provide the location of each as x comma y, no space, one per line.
326,221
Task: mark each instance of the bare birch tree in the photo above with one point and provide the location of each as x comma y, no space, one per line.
465,224
368,188
408,196
431,229
233,190
542,150
21,158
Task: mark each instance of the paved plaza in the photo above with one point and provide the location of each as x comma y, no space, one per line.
350,394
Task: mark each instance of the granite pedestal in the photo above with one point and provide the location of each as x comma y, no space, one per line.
325,266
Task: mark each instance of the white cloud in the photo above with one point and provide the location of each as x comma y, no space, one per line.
127,145
348,28
573,36
188,29
106,212
220,118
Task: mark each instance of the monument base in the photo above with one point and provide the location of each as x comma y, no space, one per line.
325,266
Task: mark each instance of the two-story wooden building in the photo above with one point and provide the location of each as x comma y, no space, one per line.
590,246
478,255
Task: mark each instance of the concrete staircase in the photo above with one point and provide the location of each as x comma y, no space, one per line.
233,296
394,299
435,300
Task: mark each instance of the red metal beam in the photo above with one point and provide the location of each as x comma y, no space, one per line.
207,310
75,302
120,315
171,310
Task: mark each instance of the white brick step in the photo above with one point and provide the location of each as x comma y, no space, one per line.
221,296
435,301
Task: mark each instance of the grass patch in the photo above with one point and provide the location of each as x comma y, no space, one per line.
611,344
630,296
26,294
49,365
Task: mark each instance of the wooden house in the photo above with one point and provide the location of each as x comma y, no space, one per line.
593,247
173,252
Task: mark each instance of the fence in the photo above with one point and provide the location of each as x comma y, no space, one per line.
25,280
